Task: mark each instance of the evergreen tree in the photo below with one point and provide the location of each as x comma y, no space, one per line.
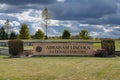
39,34
83,34
66,34
13,35
24,32
3,34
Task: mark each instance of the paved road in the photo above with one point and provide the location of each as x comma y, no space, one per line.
4,51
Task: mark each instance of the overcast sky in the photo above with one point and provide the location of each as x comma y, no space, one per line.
101,18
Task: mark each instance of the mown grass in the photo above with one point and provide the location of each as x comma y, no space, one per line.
117,45
59,68
98,45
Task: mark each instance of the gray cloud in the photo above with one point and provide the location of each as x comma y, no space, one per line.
14,6
79,9
76,12
5,17
23,2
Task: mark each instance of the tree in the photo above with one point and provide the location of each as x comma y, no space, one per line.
24,32
66,34
13,35
3,34
84,34
45,19
39,34
7,28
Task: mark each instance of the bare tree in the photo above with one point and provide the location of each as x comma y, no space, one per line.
7,28
45,19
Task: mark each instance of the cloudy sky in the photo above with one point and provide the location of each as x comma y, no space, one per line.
100,17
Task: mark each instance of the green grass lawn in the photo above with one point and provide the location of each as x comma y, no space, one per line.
96,43
59,68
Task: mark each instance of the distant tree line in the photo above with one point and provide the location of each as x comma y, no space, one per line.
6,33
39,34
83,34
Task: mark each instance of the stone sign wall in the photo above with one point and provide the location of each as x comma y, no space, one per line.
62,48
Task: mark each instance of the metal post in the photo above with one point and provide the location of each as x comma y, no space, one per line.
46,31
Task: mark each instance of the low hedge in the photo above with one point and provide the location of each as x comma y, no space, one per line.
108,45
101,53
15,47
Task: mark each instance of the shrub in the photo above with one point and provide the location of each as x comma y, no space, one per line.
108,45
101,53
66,34
15,47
